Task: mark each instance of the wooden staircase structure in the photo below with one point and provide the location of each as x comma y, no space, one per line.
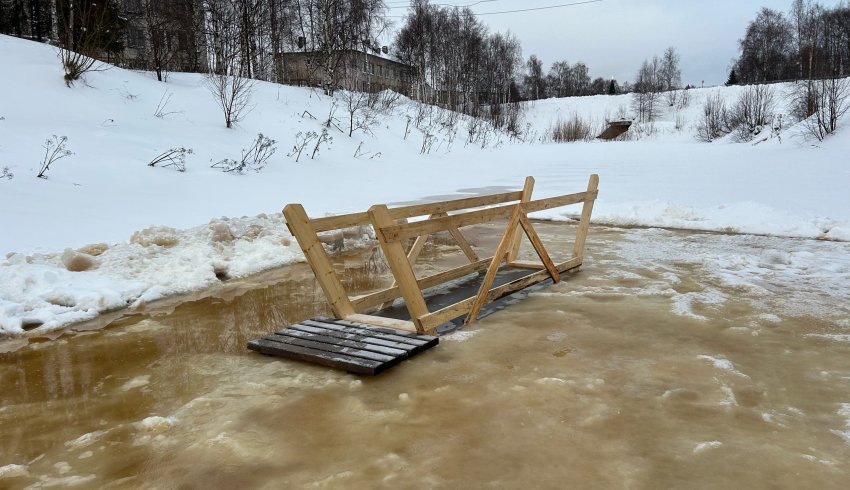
393,230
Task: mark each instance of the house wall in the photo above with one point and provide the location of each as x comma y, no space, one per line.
357,70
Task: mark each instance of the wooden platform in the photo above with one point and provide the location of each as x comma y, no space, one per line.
351,346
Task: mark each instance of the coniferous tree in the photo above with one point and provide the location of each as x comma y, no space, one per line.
733,78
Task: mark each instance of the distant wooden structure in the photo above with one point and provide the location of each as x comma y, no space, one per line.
615,128
392,233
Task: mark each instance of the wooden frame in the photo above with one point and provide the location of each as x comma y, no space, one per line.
392,231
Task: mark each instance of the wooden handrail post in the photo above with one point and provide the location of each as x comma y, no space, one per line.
513,250
299,225
586,211
400,266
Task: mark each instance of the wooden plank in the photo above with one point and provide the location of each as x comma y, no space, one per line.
526,264
418,344
460,308
403,231
557,201
328,223
333,360
400,266
318,259
364,329
394,339
538,247
330,347
346,339
586,211
501,250
393,323
513,250
370,327
362,303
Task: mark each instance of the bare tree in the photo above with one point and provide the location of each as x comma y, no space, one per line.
162,26
646,90
765,48
535,83
669,71
832,99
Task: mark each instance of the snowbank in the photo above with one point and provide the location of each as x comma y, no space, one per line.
106,193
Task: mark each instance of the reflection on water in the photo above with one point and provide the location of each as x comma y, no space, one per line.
670,361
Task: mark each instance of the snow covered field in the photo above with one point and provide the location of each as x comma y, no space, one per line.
156,222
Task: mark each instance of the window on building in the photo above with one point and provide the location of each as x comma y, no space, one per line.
135,37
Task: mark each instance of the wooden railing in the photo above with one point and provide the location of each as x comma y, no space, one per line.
392,231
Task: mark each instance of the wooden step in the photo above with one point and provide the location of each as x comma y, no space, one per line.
351,346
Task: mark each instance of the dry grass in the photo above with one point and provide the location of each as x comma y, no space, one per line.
573,129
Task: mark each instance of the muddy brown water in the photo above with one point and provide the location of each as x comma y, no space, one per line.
671,360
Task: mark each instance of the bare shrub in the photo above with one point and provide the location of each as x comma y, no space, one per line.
75,65
573,129
161,110
325,138
254,158
86,31
301,141
361,109
232,93
6,174
174,158
752,111
715,122
832,99
507,116
55,149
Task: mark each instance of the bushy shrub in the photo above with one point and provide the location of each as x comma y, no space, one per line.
715,122
573,129
752,111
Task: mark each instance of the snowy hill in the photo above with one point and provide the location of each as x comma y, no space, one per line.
106,193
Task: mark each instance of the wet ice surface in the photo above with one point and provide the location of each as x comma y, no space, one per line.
671,360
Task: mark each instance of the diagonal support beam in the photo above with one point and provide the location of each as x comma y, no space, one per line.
538,247
299,225
498,256
460,239
402,270
412,255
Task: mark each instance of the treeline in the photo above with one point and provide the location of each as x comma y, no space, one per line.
563,80
246,37
458,62
809,42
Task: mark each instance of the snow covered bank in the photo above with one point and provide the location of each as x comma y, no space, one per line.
105,192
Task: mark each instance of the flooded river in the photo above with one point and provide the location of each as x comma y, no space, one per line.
671,360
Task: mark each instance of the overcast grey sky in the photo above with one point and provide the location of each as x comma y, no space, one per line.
613,37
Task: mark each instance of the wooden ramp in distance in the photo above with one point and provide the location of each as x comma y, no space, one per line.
351,346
